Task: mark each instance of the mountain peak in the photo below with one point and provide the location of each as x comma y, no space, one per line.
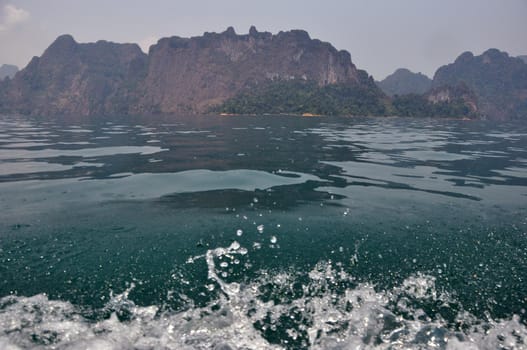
498,80
466,56
230,31
64,45
253,31
403,81
64,40
494,55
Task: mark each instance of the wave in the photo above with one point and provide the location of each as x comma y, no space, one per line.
324,308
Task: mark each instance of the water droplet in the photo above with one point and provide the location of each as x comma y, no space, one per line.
235,245
224,264
255,200
260,228
273,239
239,232
210,287
414,260
224,274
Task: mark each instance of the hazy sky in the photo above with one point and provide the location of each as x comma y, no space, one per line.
381,35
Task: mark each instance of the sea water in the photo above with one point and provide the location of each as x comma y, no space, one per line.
262,233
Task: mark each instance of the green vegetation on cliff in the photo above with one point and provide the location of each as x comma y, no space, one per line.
413,105
299,97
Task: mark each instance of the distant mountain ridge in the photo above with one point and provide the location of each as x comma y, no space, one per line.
523,58
8,70
179,75
403,81
254,73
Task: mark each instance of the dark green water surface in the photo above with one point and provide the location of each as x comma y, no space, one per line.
262,233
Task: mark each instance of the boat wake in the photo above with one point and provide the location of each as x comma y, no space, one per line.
324,308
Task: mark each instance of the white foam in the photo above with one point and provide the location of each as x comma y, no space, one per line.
320,316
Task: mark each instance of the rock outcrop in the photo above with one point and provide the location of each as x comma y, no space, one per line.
459,94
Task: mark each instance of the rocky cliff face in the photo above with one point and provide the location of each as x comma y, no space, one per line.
459,94
178,75
192,75
498,81
72,78
403,82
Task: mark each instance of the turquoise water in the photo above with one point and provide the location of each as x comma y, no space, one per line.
262,233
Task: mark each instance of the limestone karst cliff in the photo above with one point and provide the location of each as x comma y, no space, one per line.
498,81
178,75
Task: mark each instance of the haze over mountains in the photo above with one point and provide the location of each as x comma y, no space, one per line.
8,70
403,81
258,72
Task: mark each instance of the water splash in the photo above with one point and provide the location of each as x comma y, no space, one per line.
324,308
